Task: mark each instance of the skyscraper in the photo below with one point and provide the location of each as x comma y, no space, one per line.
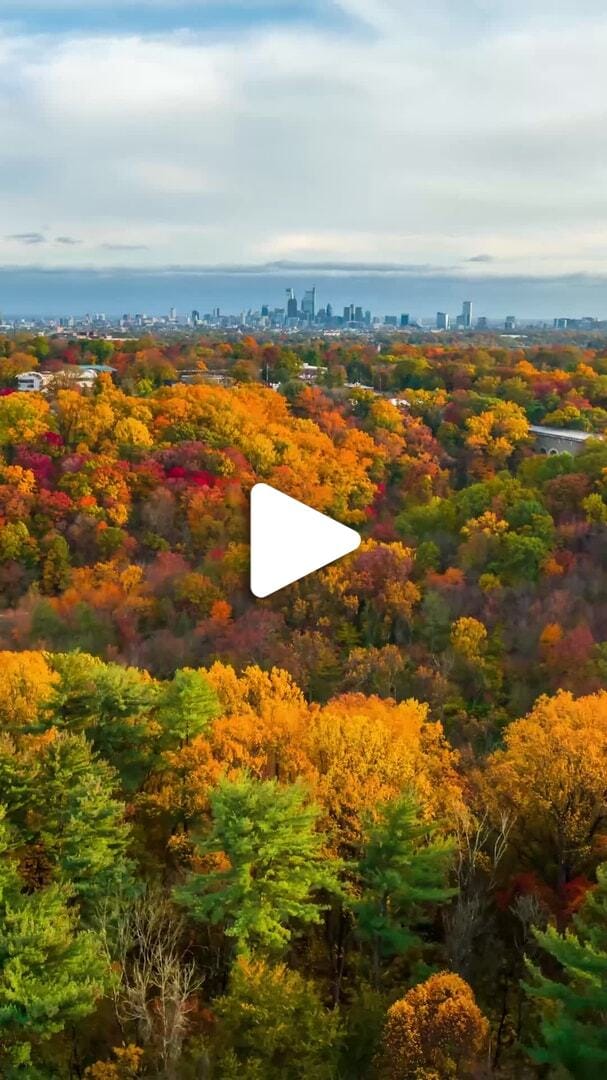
467,314
442,320
292,311
308,304
404,319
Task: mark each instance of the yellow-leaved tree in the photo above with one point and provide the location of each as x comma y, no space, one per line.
364,751
26,689
552,780
496,432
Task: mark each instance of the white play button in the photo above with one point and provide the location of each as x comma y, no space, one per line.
290,540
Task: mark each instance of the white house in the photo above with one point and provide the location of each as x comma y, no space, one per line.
83,375
35,381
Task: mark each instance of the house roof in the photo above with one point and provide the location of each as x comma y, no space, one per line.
99,368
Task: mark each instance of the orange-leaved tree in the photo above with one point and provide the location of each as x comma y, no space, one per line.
436,1031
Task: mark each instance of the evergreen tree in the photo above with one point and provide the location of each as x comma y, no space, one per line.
51,975
573,1009
403,873
271,864
82,825
113,706
59,797
187,706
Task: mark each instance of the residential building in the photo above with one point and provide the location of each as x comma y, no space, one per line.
33,381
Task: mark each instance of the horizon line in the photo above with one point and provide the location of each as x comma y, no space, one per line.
323,269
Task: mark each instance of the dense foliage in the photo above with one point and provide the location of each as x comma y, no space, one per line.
358,829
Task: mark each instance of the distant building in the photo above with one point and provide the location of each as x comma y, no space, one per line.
390,320
310,372
404,319
292,309
349,313
442,320
586,323
467,314
358,314
308,304
510,323
481,323
195,318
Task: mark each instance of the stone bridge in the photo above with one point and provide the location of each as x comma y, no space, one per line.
559,440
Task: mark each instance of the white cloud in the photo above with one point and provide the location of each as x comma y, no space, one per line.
416,137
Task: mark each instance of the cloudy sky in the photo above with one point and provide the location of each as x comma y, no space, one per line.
464,137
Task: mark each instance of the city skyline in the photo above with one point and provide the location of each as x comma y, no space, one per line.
157,134
294,315
36,293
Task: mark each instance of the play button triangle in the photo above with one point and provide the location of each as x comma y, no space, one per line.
290,540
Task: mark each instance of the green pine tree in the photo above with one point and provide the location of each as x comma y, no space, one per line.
51,975
276,867
187,707
573,1009
113,706
403,874
60,801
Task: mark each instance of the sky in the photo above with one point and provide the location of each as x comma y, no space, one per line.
458,141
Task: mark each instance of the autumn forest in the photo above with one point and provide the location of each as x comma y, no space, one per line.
357,829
